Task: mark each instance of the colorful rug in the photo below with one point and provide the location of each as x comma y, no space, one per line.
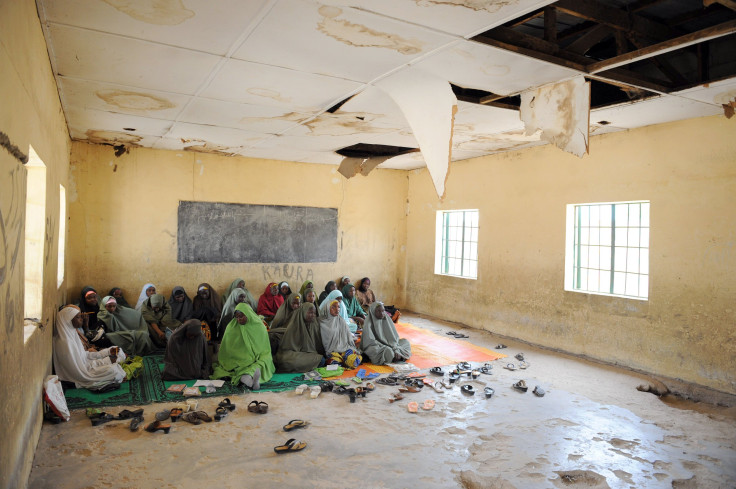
149,387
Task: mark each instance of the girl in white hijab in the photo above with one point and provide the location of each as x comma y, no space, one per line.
147,291
74,364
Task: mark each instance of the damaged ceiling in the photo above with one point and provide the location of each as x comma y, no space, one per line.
442,80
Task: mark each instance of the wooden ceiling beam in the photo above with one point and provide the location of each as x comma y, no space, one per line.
525,18
550,24
726,3
615,18
595,35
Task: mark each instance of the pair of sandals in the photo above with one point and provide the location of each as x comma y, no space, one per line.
456,334
223,409
470,390
196,417
98,418
522,365
314,391
258,407
521,386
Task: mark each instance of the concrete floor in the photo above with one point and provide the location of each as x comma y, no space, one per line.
591,429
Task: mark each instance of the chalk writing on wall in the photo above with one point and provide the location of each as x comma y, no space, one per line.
278,273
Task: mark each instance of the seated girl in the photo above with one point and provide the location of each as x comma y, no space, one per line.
270,301
237,296
117,293
338,341
207,306
239,283
282,320
186,353
380,341
308,284
74,364
182,307
367,297
325,307
245,354
126,328
352,305
92,328
311,296
301,350
284,290
146,292
331,285
157,313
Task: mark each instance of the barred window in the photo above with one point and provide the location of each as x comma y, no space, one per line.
456,249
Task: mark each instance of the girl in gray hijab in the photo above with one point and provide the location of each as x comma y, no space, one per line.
380,341
186,353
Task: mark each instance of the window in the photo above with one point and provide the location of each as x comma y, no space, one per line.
62,236
607,249
34,239
456,244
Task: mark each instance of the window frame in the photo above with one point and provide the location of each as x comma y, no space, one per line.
442,243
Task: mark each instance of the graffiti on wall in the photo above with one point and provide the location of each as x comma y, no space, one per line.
12,212
287,272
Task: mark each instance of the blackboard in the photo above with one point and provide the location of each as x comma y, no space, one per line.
216,232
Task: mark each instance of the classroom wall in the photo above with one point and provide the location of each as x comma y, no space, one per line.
123,219
686,169
30,115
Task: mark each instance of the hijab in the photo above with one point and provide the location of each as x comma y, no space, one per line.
324,308
143,296
365,297
248,296
89,309
228,310
269,304
380,341
73,363
352,305
186,358
126,328
212,303
304,299
336,335
285,314
121,301
244,348
300,350
308,284
181,311
281,293
326,292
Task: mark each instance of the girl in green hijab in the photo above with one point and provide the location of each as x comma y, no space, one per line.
308,284
301,349
239,283
245,353
352,304
126,328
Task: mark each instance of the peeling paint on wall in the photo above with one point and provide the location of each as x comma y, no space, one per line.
134,100
727,100
477,5
361,36
159,12
429,106
561,111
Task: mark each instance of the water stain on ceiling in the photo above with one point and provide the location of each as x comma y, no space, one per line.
477,5
134,100
113,138
159,12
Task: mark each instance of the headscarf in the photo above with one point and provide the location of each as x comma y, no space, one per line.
340,283
186,358
380,341
281,293
300,350
352,306
89,310
126,328
308,284
268,304
285,314
121,301
212,303
324,308
248,296
304,299
73,364
244,348
163,318
181,311
336,335
365,297
326,292
143,296
228,311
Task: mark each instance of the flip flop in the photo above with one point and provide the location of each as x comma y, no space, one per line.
412,407
436,371
372,376
519,357
437,387
361,374
520,386
158,425
446,384
135,423
104,418
253,407
453,377
262,407
291,445
387,381
227,404
485,370
428,405
489,392
396,397
191,417
538,391
468,389
464,366
451,333
315,391
523,364
369,387
510,366
300,389
203,416
294,424
501,346
460,335
221,413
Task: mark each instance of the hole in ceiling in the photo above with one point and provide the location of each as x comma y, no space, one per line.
603,123
337,106
128,129
362,150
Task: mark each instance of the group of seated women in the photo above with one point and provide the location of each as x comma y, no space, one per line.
282,330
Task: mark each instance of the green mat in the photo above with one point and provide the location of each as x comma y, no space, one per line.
149,387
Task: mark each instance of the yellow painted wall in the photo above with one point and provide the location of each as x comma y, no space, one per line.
30,115
123,219
686,169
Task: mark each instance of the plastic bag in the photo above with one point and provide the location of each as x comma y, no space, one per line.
53,394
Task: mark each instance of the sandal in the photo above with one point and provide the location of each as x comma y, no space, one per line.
353,394
437,386
538,391
125,414
203,416
315,391
396,397
387,381
102,419
468,389
520,386
475,374
428,404
291,445
519,357
464,366
436,371
485,370
258,407
451,333
369,387
510,366
453,377
294,424
446,384
410,388
300,389
523,364
175,414
225,403
163,415
221,413
158,425
489,392
191,417
460,335
253,407
135,423
412,407
500,346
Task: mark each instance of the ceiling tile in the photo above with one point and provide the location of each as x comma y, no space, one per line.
248,117
653,111
718,93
